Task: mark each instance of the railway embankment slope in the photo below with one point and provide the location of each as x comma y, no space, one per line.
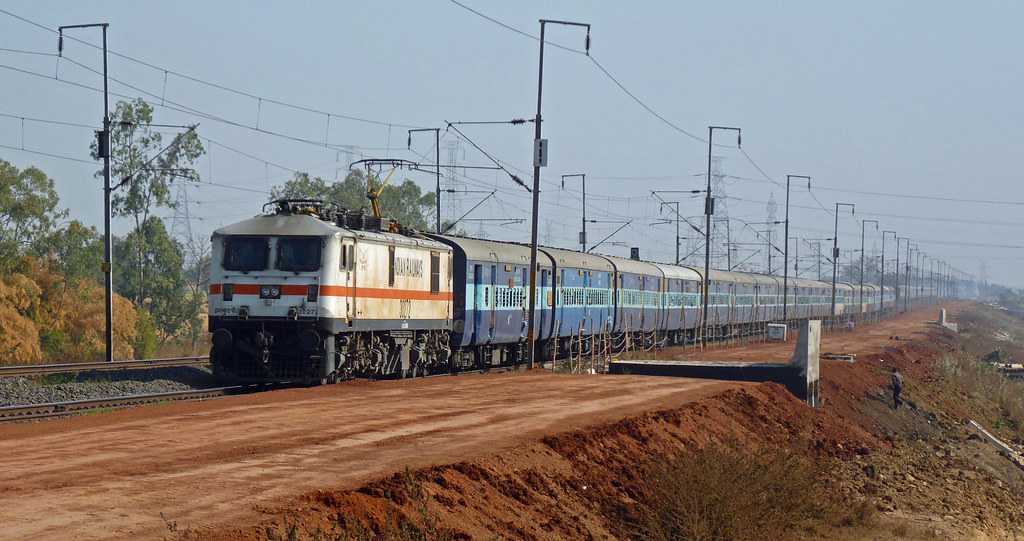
541,456
751,462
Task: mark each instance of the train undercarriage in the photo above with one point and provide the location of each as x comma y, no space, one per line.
276,351
293,351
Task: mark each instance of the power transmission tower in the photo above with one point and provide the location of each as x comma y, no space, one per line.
721,207
773,209
181,222
454,149
350,153
982,283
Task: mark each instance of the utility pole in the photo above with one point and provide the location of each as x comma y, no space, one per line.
899,293
677,220
835,252
540,160
931,278
728,241
881,286
796,258
709,210
817,245
862,224
906,299
921,276
103,146
583,234
437,163
785,273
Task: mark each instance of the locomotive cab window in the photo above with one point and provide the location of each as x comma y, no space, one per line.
246,253
298,254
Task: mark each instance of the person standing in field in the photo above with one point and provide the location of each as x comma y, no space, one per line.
897,387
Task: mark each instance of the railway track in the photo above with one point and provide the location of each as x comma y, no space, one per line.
64,409
60,368
51,410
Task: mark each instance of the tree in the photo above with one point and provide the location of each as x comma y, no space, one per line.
28,211
163,293
197,280
75,251
143,168
403,202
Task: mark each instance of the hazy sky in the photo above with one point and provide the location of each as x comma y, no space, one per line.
915,98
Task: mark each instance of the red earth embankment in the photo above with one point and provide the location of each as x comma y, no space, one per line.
918,466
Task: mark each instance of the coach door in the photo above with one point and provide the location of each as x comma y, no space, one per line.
492,298
478,302
347,268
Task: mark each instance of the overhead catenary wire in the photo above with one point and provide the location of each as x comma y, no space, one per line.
596,63
219,86
49,154
903,216
255,96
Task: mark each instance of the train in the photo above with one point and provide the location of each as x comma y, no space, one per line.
313,292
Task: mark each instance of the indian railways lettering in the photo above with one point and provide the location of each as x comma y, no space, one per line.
407,266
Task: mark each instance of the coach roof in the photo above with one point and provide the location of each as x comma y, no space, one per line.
635,267
491,250
675,272
577,260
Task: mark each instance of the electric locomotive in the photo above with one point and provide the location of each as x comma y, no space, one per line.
312,292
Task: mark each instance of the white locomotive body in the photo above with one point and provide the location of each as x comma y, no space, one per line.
313,293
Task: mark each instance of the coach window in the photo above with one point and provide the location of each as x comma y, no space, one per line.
435,272
391,266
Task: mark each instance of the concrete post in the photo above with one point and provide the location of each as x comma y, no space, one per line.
806,362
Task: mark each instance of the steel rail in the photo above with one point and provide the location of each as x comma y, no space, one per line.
26,412
59,368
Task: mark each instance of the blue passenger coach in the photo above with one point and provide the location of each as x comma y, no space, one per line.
637,295
582,300
490,285
680,302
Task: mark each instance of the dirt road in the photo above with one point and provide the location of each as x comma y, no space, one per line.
111,475
870,338
219,463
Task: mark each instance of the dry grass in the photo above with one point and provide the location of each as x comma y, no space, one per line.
983,381
731,493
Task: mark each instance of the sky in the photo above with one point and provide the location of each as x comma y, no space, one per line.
919,99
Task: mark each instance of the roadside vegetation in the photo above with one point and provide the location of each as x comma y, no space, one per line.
51,267
725,492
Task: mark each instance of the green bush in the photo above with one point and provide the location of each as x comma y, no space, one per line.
145,336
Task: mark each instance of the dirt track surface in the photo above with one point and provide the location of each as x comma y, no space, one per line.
865,339
111,475
219,463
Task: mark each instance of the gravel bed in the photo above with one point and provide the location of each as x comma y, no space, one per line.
92,385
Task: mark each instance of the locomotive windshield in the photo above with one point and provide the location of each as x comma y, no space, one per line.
298,254
246,253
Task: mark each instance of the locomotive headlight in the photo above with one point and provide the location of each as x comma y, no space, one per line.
265,291
275,292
